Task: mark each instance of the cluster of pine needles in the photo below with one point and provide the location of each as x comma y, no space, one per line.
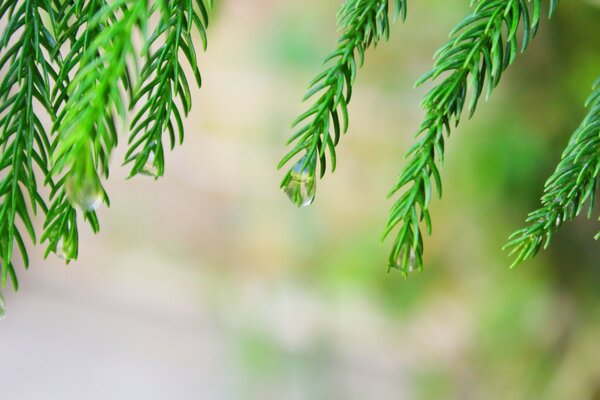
73,72
470,64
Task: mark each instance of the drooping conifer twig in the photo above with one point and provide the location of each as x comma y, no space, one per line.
74,31
101,45
573,184
162,81
25,47
71,61
480,48
363,23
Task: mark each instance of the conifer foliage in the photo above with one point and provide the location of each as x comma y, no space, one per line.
26,45
571,189
76,63
472,62
363,23
79,65
480,48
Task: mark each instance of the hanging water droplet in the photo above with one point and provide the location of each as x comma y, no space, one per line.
87,194
65,249
150,167
302,187
412,261
558,220
2,306
558,200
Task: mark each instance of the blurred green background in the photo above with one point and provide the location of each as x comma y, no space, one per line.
209,284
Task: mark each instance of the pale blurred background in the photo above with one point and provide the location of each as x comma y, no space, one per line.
209,284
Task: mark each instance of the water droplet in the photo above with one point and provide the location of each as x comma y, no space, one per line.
302,187
2,306
66,249
558,220
87,194
150,168
412,261
558,200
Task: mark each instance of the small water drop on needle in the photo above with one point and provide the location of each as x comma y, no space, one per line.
150,167
65,249
302,187
410,265
412,261
87,196
2,306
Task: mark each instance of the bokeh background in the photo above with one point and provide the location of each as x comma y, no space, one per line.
209,284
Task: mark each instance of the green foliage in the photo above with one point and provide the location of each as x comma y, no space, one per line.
573,184
480,48
76,62
26,44
85,126
363,23
162,80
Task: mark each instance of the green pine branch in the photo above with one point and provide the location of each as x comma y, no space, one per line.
73,29
573,184
75,62
25,46
480,48
72,61
162,81
86,127
363,23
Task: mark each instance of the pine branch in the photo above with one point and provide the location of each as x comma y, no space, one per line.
74,31
480,48
573,184
101,45
25,46
363,23
162,81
